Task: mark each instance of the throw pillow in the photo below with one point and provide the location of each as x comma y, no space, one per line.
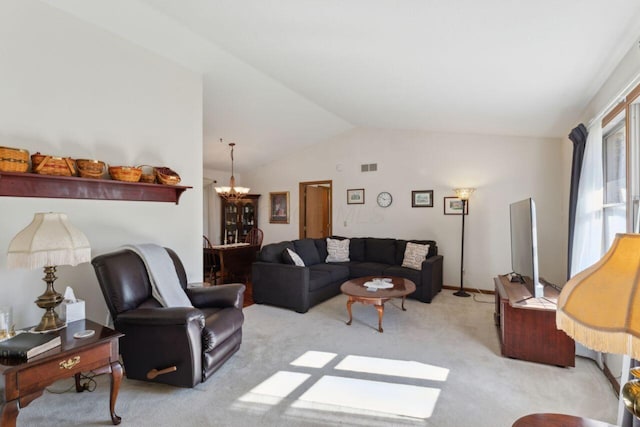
338,250
290,257
414,255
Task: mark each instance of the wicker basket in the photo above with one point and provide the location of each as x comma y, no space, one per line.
148,174
88,168
125,173
50,165
167,176
14,159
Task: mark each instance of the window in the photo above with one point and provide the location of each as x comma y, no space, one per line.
615,180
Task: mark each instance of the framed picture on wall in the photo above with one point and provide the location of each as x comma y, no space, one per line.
279,207
453,206
355,196
422,199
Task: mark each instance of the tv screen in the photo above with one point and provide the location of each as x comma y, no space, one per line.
524,245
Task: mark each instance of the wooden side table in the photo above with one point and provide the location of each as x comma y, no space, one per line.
26,381
557,420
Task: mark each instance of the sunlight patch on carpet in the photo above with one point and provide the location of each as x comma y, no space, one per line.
275,388
396,368
314,359
339,394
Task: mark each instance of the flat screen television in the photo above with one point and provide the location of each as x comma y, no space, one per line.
524,246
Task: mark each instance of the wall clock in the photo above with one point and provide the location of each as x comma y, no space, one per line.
384,199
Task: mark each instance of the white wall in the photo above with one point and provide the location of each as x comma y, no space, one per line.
502,169
71,89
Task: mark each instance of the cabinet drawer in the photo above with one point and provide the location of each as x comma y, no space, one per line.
34,378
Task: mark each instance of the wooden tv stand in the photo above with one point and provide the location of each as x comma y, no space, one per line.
527,327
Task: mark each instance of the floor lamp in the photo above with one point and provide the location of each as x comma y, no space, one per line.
463,194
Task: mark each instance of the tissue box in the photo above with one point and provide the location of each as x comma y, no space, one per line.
72,311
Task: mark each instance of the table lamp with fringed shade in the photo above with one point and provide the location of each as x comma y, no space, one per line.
600,307
50,240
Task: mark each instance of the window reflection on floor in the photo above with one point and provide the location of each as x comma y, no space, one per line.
317,392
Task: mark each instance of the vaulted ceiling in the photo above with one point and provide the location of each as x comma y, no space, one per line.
281,75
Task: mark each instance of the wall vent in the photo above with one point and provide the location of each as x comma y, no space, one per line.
371,167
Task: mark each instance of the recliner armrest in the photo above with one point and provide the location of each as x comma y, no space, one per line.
231,295
161,316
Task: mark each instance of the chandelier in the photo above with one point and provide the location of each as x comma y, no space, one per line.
232,193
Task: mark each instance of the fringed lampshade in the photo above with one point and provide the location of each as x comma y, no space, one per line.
600,308
50,240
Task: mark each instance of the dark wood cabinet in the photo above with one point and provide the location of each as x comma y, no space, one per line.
527,326
14,184
238,218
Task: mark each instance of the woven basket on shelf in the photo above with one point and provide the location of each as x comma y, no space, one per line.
14,159
167,176
50,165
125,173
88,168
148,174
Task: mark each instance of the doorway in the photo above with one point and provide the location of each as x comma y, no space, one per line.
315,209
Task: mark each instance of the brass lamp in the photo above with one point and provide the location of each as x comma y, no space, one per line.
463,194
600,308
47,242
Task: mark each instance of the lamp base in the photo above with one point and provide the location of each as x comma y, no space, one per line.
461,293
49,322
49,300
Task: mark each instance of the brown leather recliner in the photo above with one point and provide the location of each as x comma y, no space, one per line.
196,341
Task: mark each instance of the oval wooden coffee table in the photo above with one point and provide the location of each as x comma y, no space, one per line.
357,292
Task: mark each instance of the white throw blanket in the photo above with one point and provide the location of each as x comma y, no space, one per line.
165,284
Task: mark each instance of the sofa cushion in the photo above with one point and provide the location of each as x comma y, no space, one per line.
357,249
380,250
292,258
339,272
408,273
306,248
401,246
337,250
319,279
321,246
414,255
273,252
361,269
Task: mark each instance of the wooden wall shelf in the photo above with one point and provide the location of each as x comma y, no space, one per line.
14,184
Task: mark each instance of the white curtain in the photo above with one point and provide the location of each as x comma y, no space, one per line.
587,237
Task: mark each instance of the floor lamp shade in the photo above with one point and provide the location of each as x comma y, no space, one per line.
600,306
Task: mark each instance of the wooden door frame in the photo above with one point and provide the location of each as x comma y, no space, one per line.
302,204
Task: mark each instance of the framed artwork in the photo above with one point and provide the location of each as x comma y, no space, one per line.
422,199
279,207
453,206
355,196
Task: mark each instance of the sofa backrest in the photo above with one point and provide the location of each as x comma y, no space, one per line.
307,250
273,252
361,249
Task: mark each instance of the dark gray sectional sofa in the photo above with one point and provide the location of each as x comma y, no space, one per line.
277,283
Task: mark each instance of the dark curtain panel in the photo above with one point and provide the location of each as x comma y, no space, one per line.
579,138
628,419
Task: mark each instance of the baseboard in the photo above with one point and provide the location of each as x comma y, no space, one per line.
612,379
477,291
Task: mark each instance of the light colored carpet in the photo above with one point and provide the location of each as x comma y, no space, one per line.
436,364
